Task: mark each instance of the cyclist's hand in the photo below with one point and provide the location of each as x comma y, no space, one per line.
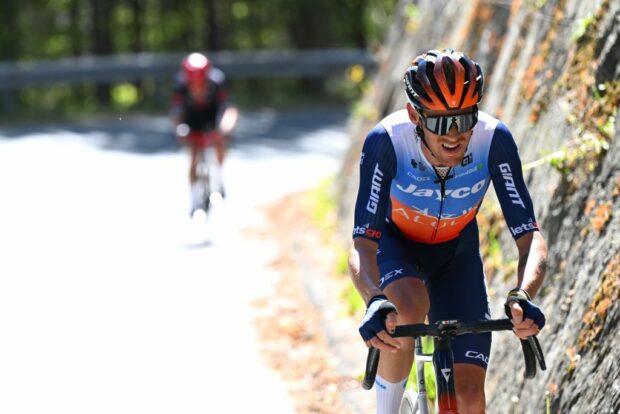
527,318
182,132
380,315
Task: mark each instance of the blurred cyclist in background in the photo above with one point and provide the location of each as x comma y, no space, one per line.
202,102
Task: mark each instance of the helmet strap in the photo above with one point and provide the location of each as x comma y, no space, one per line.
420,133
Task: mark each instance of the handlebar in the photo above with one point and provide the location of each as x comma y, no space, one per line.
532,352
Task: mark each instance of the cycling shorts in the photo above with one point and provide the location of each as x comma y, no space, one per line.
204,139
454,277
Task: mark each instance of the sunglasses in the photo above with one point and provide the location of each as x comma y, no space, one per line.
440,125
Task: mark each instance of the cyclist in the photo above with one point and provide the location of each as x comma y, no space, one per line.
424,172
201,101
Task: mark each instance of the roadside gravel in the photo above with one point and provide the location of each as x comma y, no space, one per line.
304,330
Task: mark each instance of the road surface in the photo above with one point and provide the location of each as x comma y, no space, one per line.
111,299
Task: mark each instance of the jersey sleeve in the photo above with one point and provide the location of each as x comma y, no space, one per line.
377,170
507,175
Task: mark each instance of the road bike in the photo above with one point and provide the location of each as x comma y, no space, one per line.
443,333
208,171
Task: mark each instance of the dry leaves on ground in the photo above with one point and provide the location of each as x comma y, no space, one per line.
288,325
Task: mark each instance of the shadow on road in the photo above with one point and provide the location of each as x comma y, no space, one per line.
145,134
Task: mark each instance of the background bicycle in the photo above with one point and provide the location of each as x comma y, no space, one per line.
209,185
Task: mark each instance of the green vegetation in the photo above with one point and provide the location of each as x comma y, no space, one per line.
324,205
582,27
125,95
355,303
429,373
609,127
413,16
42,29
538,4
592,107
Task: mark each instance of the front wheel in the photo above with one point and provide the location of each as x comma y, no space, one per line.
204,183
409,404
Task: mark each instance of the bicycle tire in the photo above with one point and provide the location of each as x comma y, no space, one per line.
203,175
409,403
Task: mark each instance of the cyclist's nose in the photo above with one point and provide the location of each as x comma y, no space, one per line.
453,131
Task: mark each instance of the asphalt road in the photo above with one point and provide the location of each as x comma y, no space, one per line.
111,299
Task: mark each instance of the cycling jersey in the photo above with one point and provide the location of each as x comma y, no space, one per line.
200,113
400,188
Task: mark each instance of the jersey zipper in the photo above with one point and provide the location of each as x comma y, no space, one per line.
442,183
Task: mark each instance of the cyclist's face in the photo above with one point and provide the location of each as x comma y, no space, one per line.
197,88
448,147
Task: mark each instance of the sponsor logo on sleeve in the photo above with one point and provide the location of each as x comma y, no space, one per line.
375,189
510,184
365,230
525,227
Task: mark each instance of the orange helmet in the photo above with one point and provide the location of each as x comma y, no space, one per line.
196,66
443,80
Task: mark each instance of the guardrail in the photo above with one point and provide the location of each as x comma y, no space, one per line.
125,68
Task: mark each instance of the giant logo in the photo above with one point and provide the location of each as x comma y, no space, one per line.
455,193
510,184
375,189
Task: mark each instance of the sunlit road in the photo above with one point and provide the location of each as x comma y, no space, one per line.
111,300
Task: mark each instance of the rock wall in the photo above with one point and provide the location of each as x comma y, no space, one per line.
552,75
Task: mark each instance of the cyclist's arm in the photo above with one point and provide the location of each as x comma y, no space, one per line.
518,210
363,268
532,262
514,197
228,114
377,169
530,275
228,120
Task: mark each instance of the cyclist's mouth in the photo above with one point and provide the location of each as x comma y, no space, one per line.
451,148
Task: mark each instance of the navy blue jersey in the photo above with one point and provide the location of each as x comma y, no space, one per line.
400,187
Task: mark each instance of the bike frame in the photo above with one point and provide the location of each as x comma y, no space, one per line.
443,360
208,169
420,359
